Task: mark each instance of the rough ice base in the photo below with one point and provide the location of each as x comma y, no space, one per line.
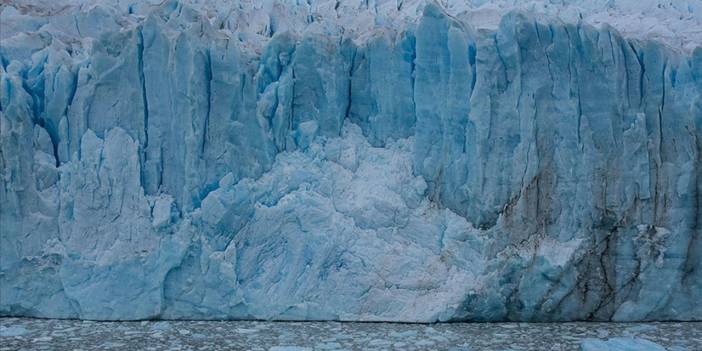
164,168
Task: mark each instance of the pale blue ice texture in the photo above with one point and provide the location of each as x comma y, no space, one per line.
543,171
620,344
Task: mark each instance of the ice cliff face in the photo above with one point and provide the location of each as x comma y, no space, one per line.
222,160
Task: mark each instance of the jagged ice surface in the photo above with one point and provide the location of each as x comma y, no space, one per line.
208,159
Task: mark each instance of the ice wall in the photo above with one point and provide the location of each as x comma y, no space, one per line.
162,161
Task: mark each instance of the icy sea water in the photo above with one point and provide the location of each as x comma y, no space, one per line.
39,334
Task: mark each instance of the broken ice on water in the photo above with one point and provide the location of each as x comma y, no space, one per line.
411,161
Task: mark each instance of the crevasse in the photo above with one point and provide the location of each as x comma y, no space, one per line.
164,167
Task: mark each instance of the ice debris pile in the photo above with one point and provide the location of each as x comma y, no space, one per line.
351,160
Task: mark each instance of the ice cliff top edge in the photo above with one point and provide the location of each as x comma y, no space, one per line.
675,23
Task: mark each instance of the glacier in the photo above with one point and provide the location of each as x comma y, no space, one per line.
411,161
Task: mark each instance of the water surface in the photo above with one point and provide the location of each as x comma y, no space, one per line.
47,334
